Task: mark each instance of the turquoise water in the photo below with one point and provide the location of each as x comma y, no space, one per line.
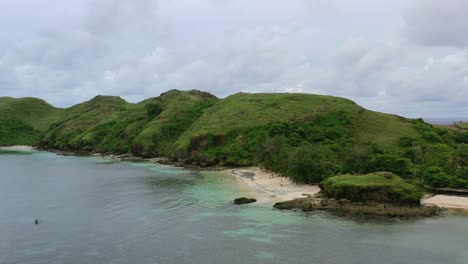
93,210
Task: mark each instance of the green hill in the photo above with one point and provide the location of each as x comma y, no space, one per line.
111,125
178,111
69,132
307,137
35,112
24,120
243,111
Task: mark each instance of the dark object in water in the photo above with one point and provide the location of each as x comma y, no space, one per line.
244,200
36,221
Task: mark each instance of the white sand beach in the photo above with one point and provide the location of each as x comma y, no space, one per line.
447,201
270,187
18,148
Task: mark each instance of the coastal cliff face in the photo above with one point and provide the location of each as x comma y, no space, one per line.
307,137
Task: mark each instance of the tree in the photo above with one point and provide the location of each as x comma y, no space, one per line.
392,163
462,137
436,177
273,154
403,166
461,161
311,163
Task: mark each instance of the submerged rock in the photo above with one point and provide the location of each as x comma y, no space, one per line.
244,200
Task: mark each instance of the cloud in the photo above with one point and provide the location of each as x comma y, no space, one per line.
138,49
116,17
437,23
395,77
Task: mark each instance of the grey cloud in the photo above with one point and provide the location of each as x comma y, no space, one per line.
138,49
106,17
386,75
360,69
438,23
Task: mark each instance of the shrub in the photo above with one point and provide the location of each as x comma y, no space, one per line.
374,187
392,163
462,138
436,177
153,110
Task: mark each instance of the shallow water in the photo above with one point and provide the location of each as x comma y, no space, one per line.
93,210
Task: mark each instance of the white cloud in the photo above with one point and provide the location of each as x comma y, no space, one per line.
138,49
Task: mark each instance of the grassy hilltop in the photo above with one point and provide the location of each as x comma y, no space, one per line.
111,125
242,111
23,121
378,187
307,137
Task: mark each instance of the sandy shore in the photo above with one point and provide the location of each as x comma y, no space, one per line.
18,148
269,187
447,201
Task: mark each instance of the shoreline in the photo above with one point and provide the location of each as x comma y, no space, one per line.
269,187
265,186
18,148
451,202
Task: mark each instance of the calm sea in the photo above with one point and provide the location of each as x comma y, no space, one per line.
445,120
93,210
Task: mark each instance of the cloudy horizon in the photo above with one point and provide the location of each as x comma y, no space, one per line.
408,57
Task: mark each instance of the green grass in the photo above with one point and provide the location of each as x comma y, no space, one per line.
187,115
243,110
17,132
378,187
238,112
77,120
384,130
179,111
32,111
112,125
23,121
368,180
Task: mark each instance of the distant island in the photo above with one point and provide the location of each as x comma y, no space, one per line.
305,137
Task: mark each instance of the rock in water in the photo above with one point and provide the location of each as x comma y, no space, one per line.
244,200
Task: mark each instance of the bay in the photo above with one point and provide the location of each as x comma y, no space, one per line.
95,210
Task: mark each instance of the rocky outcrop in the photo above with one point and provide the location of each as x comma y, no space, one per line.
378,187
244,200
346,207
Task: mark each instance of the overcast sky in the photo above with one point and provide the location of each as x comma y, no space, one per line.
408,57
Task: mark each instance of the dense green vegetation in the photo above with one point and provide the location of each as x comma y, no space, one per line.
377,187
111,125
438,157
23,121
306,137
32,111
17,132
